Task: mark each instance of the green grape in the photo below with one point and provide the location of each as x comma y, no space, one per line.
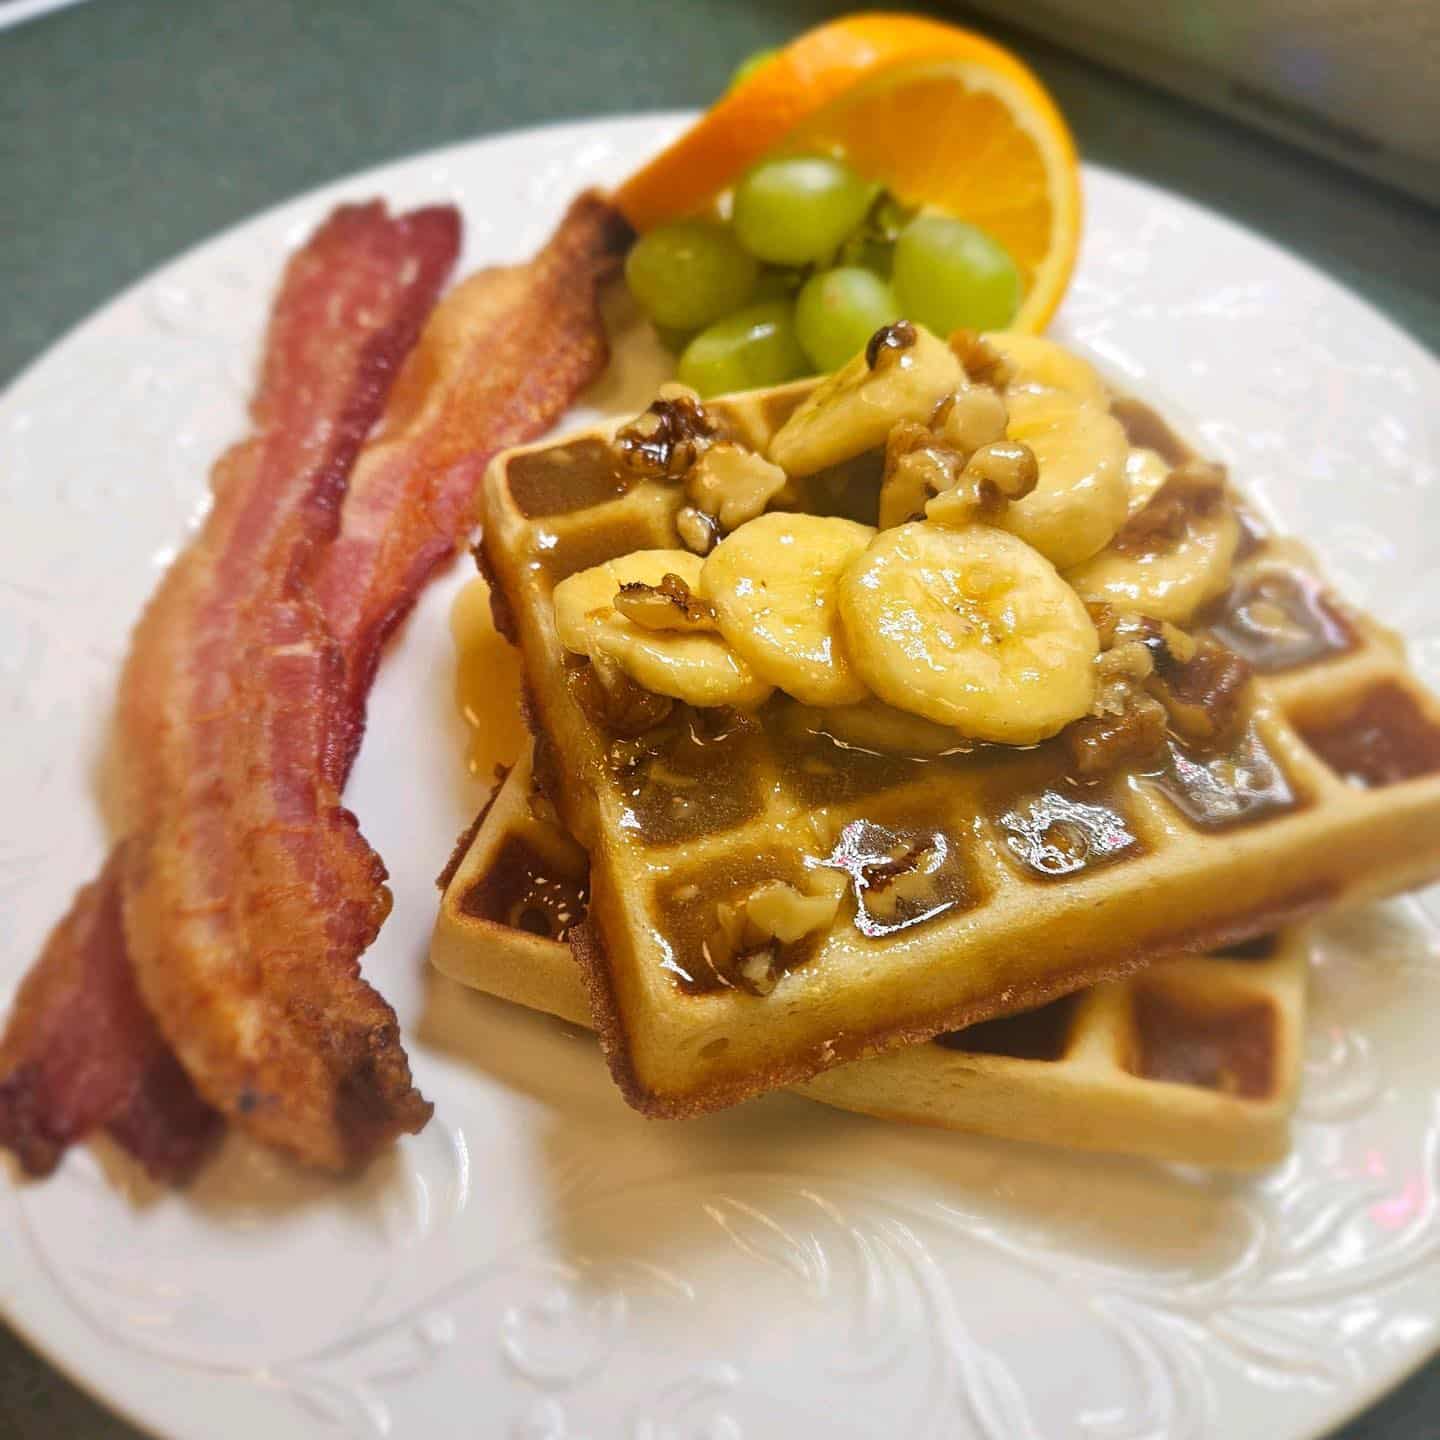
796,211
687,274
839,310
948,274
753,347
750,64
777,284
673,340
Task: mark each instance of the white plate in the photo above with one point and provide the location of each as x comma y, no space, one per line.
542,1263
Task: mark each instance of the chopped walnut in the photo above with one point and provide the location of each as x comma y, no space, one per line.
1165,641
913,478
733,484
1194,488
982,362
902,885
1127,721
1204,693
697,530
615,702
974,416
993,476
666,440
959,468
885,345
753,929
1006,468
1119,671
670,605
1100,743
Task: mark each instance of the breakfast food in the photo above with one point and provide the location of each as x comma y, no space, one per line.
1198,1060
1053,788
248,894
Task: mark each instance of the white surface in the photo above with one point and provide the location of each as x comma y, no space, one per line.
17,10
542,1263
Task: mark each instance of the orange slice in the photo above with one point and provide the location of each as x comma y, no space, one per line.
940,115
982,142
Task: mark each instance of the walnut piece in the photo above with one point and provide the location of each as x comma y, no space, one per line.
666,440
1194,488
959,468
733,484
1204,693
981,361
748,932
697,530
670,605
615,702
974,417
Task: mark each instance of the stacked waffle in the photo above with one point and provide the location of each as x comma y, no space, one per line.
779,836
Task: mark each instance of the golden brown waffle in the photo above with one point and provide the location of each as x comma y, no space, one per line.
1033,889
1197,1060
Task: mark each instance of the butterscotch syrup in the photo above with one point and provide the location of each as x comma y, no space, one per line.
487,683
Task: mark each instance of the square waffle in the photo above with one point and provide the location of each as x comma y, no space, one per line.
1033,889
1197,1060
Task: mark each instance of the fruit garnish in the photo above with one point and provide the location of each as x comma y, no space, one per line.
689,274
753,347
838,310
951,126
799,209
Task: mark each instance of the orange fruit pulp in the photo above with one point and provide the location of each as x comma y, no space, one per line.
939,115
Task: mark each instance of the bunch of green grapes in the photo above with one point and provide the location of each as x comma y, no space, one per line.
812,261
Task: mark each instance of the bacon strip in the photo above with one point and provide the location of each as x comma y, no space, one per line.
81,1050
502,359
242,850
348,311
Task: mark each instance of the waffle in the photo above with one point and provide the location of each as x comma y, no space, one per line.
1330,794
1196,1061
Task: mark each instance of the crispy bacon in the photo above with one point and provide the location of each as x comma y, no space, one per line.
242,850
251,892
503,357
350,308
81,1051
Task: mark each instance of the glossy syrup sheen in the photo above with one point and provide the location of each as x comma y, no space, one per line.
525,890
700,774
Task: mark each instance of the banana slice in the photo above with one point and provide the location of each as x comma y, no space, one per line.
874,725
1042,364
772,583
699,668
1172,580
854,409
969,628
1080,501
1146,470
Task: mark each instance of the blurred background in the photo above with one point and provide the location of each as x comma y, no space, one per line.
132,129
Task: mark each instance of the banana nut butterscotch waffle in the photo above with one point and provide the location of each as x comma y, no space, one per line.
1196,1060
936,691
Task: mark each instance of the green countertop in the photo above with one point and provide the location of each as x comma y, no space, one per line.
131,129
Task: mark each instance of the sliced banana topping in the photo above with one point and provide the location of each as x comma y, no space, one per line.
1146,470
772,584
854,410
1080,500
874,725
695,666
1034,363
970,628
1174,555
